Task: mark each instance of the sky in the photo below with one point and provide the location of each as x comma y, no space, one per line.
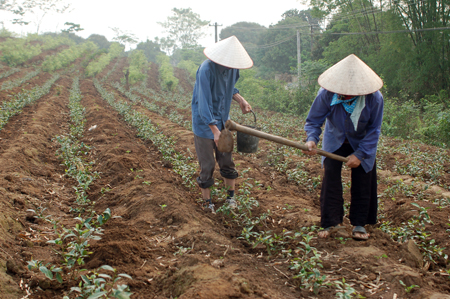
141,17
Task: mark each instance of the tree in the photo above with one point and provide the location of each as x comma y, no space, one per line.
99,40
72,27
37,8
124,37
195,55
184,29
277,48
247,33
151,49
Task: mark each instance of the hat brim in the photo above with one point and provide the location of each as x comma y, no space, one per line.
350,76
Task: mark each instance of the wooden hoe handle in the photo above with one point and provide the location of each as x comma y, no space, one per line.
231,125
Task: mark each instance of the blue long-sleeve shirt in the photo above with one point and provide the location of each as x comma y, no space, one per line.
211,99
339,126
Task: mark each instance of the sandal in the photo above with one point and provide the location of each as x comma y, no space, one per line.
359,232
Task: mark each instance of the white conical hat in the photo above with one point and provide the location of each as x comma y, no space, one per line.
229,52
350,76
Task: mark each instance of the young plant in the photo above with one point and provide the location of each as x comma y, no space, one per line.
344,290
96,284
408,289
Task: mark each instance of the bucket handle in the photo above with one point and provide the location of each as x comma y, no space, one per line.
254,115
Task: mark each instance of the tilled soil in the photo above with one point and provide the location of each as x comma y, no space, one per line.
159,234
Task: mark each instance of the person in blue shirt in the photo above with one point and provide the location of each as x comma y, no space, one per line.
352,106
211,101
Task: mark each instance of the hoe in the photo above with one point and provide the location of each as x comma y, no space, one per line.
226,141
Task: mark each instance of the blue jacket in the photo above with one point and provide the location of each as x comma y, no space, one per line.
212,96
338,127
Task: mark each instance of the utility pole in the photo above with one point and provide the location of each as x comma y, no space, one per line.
299,58
215,25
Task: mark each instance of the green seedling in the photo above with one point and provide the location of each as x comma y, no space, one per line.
344,290
381,256
163,206
146,183
408,289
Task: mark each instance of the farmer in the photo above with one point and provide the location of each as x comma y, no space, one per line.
351,103
213,91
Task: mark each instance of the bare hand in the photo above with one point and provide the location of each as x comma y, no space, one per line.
245,106
216,137
311,145
353,162
216,133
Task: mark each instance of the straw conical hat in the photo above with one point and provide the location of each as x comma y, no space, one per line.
229,52
350,76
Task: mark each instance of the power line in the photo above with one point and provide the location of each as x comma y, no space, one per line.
273,44
387,32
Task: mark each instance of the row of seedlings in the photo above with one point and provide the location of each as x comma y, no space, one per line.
22,99
9,72
182,163
72,243
7,85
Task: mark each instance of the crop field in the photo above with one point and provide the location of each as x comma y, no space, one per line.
98,198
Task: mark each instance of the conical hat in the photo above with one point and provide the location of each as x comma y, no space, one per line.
350,76
229,52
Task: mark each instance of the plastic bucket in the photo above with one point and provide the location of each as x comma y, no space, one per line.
247,143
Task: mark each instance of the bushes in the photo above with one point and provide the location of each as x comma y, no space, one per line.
67,56
98,65
138,64
166,77
427,121
189,66
16,51
275,95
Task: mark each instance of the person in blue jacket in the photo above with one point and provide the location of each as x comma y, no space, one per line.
352,105
211,101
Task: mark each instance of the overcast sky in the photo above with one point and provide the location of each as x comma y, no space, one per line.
141,17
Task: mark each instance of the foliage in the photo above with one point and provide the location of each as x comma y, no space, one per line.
167,79
184,28
67,56
6,85
427,121
5,32
192,54
137,68
15,51
124,37
281,56
344,290
248,33
38,8
96,284
100,41
408,289
151,49
72,27
276,95
189,66
10,108
96,66
415,229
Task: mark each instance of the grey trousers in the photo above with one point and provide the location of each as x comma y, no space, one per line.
206,150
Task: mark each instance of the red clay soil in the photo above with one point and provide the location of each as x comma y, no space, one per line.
161,237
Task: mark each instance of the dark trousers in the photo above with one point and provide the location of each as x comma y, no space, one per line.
364,201
207,155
